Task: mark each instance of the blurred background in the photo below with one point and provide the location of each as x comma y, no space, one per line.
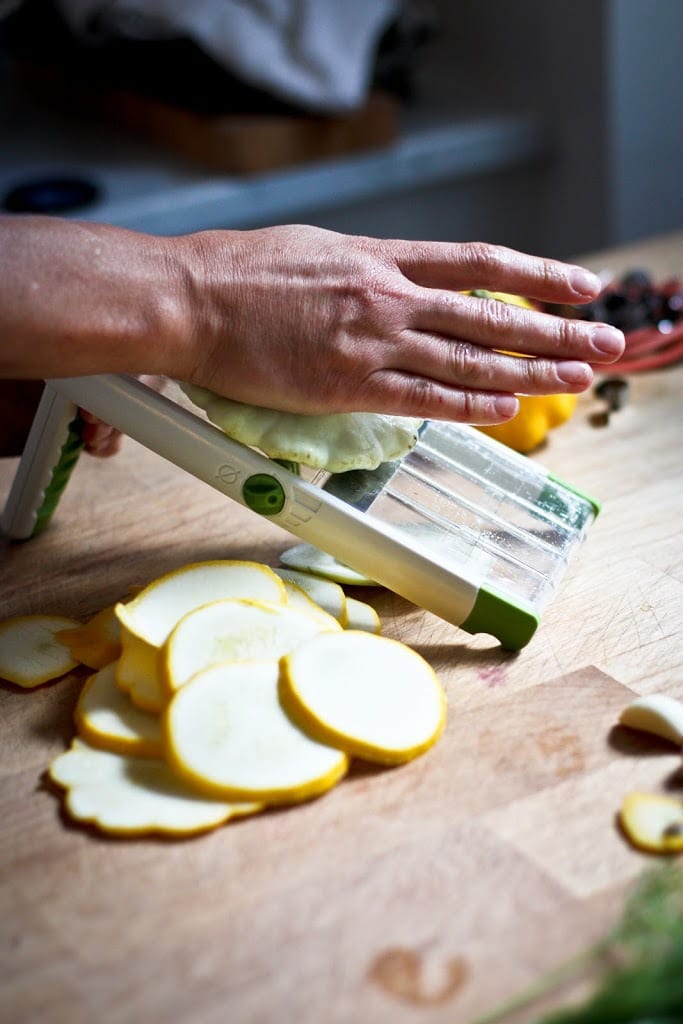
551,127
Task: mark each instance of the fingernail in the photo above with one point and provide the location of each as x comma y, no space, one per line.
584,282
506,405
572,372
608,340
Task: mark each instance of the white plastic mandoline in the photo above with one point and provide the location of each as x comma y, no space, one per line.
461,526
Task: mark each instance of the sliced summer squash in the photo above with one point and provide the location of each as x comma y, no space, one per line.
337,442
30,653
325,593
309,559
106,718
153,613
225,696
368,695
360,615
227,735
136,672
135,795
298,598
653,822
147,620
96,643
234,630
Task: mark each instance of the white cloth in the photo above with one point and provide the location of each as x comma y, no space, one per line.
318,54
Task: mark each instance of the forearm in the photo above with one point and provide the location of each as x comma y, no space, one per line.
79,298
296,318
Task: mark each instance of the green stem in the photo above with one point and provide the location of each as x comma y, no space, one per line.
553,979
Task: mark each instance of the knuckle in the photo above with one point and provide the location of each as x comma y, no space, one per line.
569,335
535,374
386,389
351,353
482,256
387,291
550,274
452,308
375,295
470,406
422,396
419,391
464,359
501,317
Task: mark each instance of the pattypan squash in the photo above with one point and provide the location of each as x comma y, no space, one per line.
335,442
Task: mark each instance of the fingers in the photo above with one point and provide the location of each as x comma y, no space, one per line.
468,265
405,394
466,365
495,324
99,438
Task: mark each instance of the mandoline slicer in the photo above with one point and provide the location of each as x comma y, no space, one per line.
461,526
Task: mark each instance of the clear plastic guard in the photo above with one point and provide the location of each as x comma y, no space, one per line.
498,518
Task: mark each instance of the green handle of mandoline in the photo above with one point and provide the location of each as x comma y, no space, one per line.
68,457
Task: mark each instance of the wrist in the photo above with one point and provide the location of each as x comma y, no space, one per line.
165,329
208,268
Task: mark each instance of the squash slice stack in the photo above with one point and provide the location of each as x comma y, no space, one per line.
220,689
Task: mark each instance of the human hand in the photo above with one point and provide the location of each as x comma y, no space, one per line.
18,404
294,318
99,438
306,320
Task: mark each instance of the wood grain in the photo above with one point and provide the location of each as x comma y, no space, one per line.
423,893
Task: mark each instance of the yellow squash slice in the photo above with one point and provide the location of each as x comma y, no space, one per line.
299,599
97,643
30,653
106,718
153,613
360,615
307,558
368,695
235,630
137,675
325,593
227,735
147,620
135,795
653,822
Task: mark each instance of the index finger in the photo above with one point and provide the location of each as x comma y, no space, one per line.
468,265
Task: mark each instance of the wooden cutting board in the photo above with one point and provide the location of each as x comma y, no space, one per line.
427,892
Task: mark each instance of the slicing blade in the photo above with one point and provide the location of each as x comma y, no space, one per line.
361,487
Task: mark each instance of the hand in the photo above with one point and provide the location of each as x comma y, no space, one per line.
306,320
295,318
99,438
18,404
